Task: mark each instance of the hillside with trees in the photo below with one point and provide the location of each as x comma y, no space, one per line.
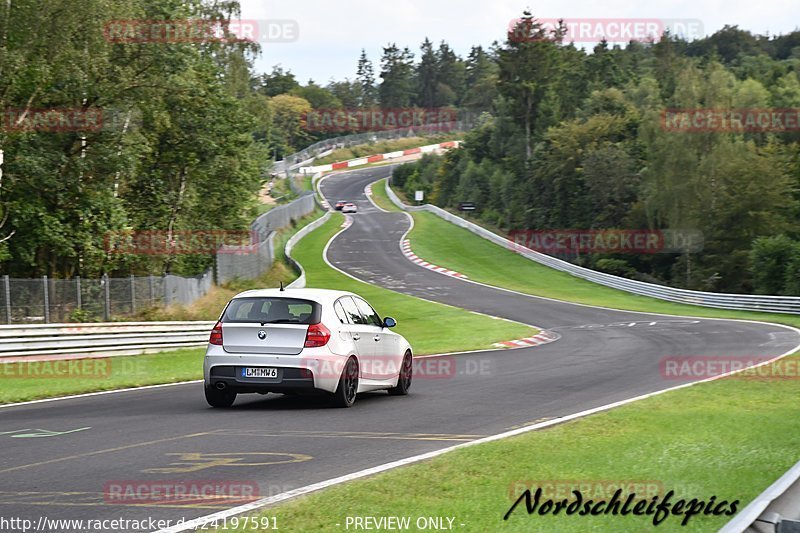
563,138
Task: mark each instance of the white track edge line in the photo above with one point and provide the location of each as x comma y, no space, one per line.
203,520
193,524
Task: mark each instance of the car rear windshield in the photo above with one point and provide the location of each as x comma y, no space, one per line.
271,310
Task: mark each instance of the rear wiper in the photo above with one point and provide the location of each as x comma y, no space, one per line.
280,321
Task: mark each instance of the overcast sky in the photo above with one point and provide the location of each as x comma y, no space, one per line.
332,33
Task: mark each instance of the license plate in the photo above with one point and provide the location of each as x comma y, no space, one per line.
259,372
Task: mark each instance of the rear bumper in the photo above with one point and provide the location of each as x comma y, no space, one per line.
288,380
304,373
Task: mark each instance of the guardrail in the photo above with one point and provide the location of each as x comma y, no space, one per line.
106,338
300,282
775,509
325,146
741,302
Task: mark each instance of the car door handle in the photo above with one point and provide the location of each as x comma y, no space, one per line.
356,337
376,338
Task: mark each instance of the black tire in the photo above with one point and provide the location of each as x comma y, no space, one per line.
219,398
404,379
347,390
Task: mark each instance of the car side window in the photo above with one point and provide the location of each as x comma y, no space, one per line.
368,312
352,310
340,313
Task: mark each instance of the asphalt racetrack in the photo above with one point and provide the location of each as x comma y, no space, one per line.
280,443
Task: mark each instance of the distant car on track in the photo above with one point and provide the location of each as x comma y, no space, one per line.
350,208
304,340
339,205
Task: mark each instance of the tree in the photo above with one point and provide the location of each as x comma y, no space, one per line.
427,76
528,69
481,81
451,76
769,259
278,82
178,148
349,93
289,121
365,76
397,71
318,97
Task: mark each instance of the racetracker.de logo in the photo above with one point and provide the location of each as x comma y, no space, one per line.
69,369
52,120
171,492
744,120
381,367
184,242
612,30
618,241
598,489
363,120
748,367
141,31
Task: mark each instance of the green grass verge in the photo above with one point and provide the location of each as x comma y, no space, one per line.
456,329
35,380
442,243
689,441
729,438
380,197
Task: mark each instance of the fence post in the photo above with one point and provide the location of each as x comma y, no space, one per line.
133,295
107,298
152,291
7,284
167,295
46,301
78,291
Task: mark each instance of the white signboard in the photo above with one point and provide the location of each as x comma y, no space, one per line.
418,196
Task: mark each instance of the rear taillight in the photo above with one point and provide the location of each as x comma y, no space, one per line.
318,335
216,335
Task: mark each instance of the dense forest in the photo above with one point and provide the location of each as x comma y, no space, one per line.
576,140
562,138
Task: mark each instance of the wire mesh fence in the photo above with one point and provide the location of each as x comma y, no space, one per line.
249,262
45,300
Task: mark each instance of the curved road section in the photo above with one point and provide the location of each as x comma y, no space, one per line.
124,455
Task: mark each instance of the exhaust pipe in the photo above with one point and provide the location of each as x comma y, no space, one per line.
221,385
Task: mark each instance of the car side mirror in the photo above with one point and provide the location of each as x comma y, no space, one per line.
389,322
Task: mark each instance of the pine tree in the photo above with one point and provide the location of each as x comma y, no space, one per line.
365,76
397,72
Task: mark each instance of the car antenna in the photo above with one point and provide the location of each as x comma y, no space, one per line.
282,289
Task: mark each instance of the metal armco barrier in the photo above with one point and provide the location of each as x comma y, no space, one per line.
741,302
107,338
255,259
